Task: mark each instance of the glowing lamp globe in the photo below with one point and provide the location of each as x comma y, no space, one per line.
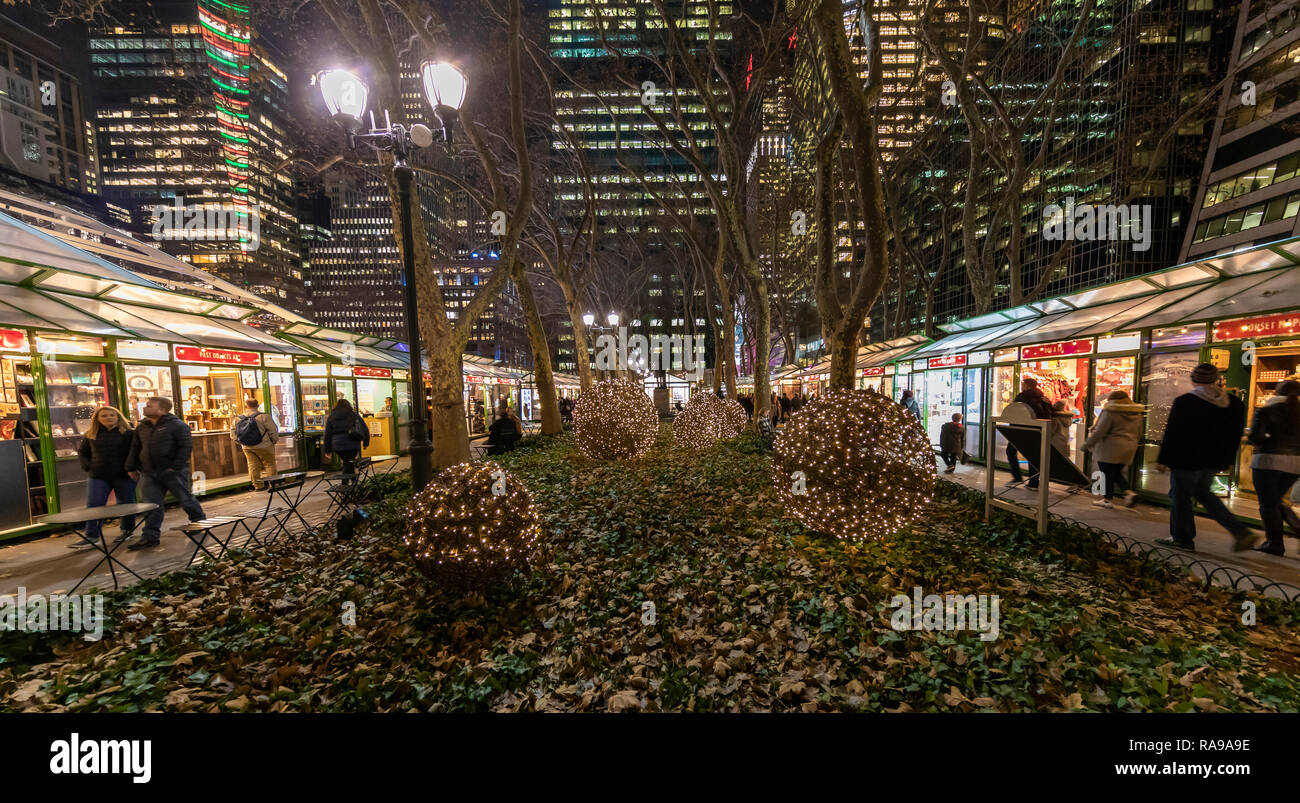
854,465
445,86
472,526
344,93
615,420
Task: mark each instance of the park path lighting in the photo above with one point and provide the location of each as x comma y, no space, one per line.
346,95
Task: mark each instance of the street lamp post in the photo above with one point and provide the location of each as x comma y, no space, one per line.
612,319
345,95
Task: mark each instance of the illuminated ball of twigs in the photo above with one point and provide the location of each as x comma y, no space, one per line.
734,418
615,420
473,525
700,423
854,465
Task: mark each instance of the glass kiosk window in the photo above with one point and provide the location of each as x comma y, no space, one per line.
1111,374
973,419
1165,377
315,396
143,382
1064,380
943,398
211,400
20,443
74,390
284,405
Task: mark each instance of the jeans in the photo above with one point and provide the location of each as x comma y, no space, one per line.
259,459
349,458
1186,486
154,487
1272,487
949,459
123,491
1013,457
1114,474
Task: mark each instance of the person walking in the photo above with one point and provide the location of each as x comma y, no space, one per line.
1113,443
909,403
785,407
1275,466
1202,435
952,442
504,432
1038,404
1062,418
160,460
103,452
256,434
346,434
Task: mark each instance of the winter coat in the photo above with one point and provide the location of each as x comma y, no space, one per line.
1060,430
1202,435
1037,402
952,438
104,458
1114,438
912,407
1275,433
503,432
336,438
266,424
162,445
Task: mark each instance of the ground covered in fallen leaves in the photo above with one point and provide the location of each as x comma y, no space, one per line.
751,613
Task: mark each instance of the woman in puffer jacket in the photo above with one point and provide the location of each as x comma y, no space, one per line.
1275,467
1113,443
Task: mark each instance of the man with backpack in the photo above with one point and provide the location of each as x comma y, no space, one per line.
256,434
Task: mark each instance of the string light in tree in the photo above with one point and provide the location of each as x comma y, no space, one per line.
615,420
854,465
701,422
734,418
473,525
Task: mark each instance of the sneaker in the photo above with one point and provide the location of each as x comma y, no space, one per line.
1169,542
143,545
84,543
1269,549
1130,498
1106,503
1244,540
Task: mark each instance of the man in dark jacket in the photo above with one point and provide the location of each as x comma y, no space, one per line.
1031,396
160,459
1201,439
952,442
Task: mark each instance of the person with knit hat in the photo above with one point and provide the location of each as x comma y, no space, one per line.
1202,435
1275,466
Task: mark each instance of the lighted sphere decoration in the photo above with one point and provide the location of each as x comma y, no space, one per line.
734,418
473,525
615,420
701,422
853,464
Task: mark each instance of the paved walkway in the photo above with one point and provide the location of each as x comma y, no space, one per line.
1145,522
45,565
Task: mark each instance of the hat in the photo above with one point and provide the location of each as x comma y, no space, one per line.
1205,374
1117,395
1289,387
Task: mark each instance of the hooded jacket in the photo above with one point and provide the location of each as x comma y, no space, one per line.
1037,402
1203,431
162,445
952,438
1060,430
336,438
1275,434
1114,438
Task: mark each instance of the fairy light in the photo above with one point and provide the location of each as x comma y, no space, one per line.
615,420
701,422
473,525
868,468
734,419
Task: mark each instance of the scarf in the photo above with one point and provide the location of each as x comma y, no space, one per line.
1211,393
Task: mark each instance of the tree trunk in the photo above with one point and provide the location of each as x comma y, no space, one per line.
762,349
543,378
844,355
447,422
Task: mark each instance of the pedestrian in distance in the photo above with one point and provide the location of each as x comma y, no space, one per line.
1201,438
1113,443
952,442
1275,466
504,432
103,452
909,403
160,460
1031,396
346,434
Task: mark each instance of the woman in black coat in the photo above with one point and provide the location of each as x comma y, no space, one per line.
103,453
340,428
1275,467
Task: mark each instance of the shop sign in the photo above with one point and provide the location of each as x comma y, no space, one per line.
1131,341
13,340
340,370
1007,355
978,358
216,356
889,370
902,368
375,373
401,374
1287,323
468,378
142,350
312,369
948,361
919,365
71,346
1052,350
428,378
277,360
878,370
1178,336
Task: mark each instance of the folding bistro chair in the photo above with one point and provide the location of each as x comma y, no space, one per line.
199,531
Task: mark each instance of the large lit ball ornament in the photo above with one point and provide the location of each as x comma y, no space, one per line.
615,420
700,423
734,418
854,465
473,525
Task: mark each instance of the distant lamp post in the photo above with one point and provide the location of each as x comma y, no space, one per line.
345,96
589,319
612,318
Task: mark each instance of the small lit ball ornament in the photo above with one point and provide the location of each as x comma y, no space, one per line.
473,525
700,423
734,419
615,420
854,465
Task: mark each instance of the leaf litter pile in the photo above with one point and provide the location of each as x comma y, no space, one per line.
751,612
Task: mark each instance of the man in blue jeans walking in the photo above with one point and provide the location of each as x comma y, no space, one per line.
160,458
1201,439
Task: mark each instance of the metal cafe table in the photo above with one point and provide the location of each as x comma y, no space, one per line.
81,516
290,489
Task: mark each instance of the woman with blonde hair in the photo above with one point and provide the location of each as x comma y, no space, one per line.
103,453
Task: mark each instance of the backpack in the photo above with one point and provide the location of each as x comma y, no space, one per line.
358,430
247,432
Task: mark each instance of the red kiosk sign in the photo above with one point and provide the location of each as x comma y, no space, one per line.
948,361
217,356
1287,323
878,370
1050,350
374,373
